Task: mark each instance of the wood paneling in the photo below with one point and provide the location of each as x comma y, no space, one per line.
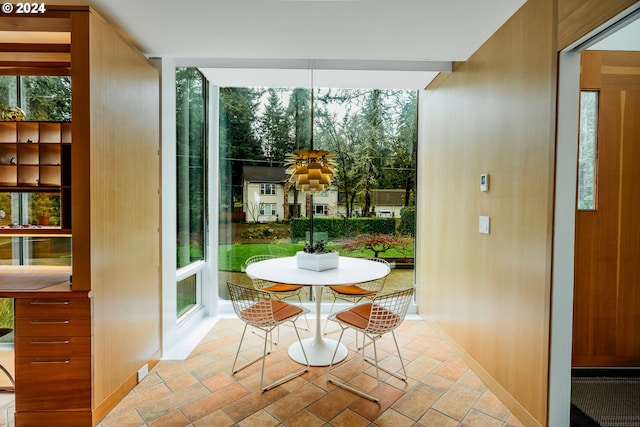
491,293
606,327
576,18
124,207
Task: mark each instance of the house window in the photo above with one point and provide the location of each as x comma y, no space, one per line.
268,189
322,210
267,209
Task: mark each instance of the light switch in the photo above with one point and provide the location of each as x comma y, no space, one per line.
483,224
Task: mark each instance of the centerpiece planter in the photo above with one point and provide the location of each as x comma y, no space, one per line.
317,261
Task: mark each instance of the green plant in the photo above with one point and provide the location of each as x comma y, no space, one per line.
317,248
379,243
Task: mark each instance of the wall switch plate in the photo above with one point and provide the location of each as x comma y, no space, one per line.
483,224
484,182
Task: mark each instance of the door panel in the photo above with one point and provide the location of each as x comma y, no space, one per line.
606,329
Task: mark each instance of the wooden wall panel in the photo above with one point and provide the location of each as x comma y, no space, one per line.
491,293
606,297
125,208
576,18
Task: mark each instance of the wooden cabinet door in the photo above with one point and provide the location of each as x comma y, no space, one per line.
606,319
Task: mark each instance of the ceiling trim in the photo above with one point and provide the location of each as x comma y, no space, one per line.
316,64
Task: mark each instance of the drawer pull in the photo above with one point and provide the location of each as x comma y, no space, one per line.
49,302
50,342
50,322
50,362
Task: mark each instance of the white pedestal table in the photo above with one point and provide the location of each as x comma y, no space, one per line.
319,350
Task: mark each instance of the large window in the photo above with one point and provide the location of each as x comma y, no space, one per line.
40,98
371,134
191,173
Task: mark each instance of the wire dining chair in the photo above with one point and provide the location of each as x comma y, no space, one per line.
356,292
280,291
261,310
374,319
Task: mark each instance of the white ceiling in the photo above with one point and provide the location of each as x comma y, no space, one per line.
408,33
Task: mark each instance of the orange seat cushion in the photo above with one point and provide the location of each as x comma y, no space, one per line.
351,290
261,312
360,317
281,287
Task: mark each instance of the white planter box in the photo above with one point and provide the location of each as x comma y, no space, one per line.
317,262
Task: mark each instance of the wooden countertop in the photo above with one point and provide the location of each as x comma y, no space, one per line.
27,281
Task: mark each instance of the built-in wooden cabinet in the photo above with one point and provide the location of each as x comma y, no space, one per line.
53,362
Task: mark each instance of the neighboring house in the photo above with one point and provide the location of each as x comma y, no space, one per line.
263,190
388,203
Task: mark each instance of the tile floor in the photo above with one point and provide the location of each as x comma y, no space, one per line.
200,391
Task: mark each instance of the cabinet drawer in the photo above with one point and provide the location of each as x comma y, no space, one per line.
53,346
49,326
41,306
52,383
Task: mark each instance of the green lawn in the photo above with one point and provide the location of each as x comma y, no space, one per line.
233,257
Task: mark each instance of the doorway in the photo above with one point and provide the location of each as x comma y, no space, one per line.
565,206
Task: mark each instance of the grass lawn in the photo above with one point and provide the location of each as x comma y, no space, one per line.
233,257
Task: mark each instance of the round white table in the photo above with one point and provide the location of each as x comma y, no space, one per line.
319,350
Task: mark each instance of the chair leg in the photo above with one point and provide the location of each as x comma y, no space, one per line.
326,322
291,375
235,370
343,385
304,315
388,371
9,389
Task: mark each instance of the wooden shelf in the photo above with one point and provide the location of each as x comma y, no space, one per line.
35,157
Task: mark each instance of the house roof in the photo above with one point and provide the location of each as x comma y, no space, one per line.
264,174
388,197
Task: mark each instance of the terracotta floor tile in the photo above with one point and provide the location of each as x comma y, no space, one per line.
215,419
452,368
417,401
332,404
371,410
395,419
213,401
489,404
478,419
252,403
348,418
172,419
295,401
434,418
457,402
304,418
163,406
261,418
201,391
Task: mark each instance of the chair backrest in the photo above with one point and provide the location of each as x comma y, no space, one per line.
251,305
259,283
256,258
388,311
377,284
279,251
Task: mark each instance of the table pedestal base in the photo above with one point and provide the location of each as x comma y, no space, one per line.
319,351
